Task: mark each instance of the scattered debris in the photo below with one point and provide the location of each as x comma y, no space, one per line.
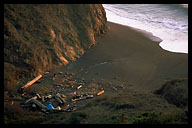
75,89
50,106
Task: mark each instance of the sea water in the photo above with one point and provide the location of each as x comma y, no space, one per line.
166,21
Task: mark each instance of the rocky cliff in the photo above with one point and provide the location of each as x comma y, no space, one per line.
40,37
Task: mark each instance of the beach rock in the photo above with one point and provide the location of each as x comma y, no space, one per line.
34,106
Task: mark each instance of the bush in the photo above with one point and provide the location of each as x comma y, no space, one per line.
124,106
14,110
148,118
175,91
11,88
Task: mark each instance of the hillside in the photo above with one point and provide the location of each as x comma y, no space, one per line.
38,38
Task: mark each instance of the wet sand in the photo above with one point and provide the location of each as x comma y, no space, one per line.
123,55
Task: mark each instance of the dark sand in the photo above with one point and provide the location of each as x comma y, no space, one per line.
126,56
133,64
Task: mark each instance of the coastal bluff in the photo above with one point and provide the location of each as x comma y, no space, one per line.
40,37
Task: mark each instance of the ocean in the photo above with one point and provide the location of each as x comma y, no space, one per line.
169,22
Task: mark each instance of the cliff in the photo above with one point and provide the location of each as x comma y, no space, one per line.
41,37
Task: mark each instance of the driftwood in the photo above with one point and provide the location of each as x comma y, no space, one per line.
38,96
100,93
34,98
79,87
89,96
81,98
59,98
43,99
42,106
32,82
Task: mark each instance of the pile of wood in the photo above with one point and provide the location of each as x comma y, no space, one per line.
57,100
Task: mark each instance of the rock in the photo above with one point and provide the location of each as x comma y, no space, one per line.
49,96
34,106
115,88
60,85
89,96
109,83
46,73
115,77
60,73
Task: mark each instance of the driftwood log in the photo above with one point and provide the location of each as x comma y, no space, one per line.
32,82
79,87
34,98
58,99
39,104
59,96
81,98
100,93
43,99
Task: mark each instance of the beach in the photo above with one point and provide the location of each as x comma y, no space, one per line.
132,58
129,67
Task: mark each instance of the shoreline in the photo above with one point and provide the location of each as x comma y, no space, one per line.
132,57
144,32
174,38
150,36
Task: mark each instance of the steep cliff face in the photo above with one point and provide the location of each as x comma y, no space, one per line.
40,37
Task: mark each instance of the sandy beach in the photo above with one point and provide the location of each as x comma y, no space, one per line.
126,55
129,67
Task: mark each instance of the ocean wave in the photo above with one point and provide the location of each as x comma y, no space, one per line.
168,22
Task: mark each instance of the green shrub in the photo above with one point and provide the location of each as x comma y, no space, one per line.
148,118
